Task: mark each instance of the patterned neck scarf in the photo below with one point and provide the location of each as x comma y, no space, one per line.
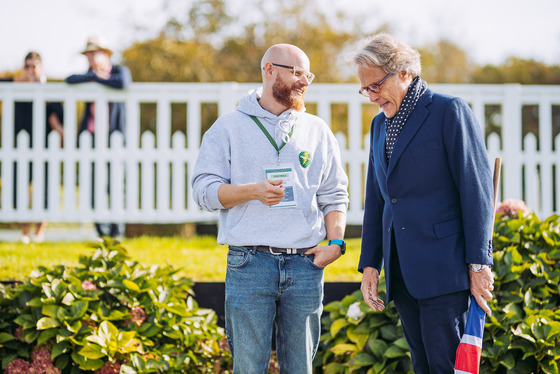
394,126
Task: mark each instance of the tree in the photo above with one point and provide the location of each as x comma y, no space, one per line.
445,62
516,70
207,48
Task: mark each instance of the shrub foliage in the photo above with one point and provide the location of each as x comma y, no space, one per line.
521,336
108,315
523,333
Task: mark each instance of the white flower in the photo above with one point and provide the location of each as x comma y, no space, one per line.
354,311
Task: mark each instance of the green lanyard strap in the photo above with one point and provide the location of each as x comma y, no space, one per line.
270,139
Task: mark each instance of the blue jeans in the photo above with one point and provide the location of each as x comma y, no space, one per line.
266,291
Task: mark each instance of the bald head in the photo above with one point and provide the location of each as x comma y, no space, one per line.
285,54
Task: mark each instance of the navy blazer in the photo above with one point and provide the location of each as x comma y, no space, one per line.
436,194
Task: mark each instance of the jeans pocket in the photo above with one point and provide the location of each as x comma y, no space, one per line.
310,259
237,257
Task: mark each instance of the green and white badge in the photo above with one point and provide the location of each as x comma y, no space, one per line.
286,173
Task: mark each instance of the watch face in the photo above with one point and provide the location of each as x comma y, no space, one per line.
476,267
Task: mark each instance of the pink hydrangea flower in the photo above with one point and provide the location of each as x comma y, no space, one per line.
109,368
46,368
89,286
138,315
17,366
511,208
41,354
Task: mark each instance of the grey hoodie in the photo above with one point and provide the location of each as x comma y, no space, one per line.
235,151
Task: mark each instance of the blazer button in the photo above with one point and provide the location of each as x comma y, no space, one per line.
389,229
394,201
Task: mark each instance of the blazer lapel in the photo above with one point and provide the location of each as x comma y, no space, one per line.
381,146
411,127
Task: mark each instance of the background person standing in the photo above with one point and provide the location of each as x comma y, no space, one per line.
102,71
33,72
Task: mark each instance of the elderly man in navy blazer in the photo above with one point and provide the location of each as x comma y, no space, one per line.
428,206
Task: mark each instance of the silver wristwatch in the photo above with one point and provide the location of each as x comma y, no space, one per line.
477,268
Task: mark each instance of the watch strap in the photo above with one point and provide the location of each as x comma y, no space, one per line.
339,242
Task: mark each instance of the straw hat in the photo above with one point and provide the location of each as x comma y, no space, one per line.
96,43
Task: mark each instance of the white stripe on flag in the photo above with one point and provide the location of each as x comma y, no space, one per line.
462,372
472,340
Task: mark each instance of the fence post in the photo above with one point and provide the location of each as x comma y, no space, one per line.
512,142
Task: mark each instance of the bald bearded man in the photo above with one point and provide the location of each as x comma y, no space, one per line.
273,172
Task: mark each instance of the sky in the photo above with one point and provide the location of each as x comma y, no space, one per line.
488,30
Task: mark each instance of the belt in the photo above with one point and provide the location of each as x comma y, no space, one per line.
281,251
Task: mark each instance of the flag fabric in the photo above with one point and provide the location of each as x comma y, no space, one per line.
467,360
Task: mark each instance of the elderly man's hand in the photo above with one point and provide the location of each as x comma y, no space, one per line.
370,283
482,285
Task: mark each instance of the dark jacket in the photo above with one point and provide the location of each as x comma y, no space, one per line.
436,194
119,79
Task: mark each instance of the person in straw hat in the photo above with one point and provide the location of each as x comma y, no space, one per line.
102,71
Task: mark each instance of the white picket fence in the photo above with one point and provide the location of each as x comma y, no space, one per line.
150,174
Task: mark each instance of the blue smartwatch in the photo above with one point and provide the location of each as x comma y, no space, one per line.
341,243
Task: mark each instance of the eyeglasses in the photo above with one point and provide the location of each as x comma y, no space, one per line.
30,66
298,72
374,87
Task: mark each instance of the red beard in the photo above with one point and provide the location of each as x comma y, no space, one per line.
284,95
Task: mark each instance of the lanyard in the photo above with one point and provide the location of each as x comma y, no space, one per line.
269,137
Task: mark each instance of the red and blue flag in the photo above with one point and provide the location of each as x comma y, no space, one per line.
469,351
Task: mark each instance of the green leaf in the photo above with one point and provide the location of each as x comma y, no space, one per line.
126,369
337,325
62,361
377,347
108,331
389,332
138,362
362,359
130,285
132,345
177,309
79,309
342,349
50,310
58,287
46,335
68,299
35,302
5,337
359,339
74,327
59,348
47,323
401,343
26,321
334,306
335,368
549,366
29,336
394,351
85,363
92,351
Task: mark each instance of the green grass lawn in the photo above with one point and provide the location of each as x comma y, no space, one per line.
200,258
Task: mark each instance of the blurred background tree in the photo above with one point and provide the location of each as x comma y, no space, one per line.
208,44
215,41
